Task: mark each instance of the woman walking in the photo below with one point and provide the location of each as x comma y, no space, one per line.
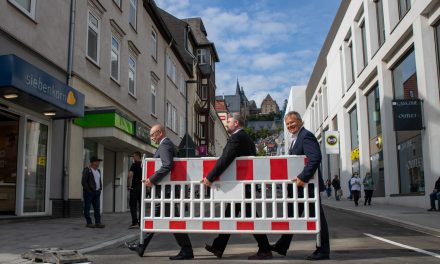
368,188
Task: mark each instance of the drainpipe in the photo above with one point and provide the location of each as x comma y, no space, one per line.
66,147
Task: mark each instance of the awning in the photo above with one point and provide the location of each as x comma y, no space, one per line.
26,85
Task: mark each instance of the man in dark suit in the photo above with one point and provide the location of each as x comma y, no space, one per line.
92,186
166,151
305,143
239,144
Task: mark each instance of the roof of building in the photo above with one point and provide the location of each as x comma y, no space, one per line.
199,31
220,106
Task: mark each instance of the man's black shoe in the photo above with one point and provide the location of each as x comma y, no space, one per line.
140,249
182,256
274,248
318,256
214,251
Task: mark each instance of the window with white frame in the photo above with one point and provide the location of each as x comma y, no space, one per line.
114,65
153,49
204,93
118,2
26,6
93,37
182,84
154,84
182,126
171,117
171,69
202,57
364,43
168,115
133,13
404,7
132,76
174,119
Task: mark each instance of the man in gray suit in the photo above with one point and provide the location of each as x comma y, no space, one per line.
166,151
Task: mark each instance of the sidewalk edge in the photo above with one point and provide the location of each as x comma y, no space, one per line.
401,223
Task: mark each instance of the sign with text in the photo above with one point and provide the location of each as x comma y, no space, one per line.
142,132
332,142
407,114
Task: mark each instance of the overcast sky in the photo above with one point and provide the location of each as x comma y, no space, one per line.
269,45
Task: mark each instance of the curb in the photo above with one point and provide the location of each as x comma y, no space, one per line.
107,243
401,223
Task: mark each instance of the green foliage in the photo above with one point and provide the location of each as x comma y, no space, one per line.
261,151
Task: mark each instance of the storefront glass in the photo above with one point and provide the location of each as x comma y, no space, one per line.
409,143
90,150
35,167
375,137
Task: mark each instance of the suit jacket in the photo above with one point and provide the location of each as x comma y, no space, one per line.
166,152
307,144
238,144
88,180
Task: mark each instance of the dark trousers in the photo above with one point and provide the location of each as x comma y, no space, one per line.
356,196
135,205
435,196
368,195
182,239
92,199
283,243
221,241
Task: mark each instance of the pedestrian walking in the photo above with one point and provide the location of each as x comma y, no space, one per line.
368,188
355,182
435,195
337,186
328,189
134,186
166,151
91,182
305,143
238,144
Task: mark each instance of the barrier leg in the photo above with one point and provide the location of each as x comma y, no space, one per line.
318,239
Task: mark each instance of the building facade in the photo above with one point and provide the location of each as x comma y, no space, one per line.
376,81
91,79
268,105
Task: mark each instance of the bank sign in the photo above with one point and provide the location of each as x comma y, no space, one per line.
407,114
17,73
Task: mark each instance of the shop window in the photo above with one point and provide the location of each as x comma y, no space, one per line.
35,167
375,139
409,143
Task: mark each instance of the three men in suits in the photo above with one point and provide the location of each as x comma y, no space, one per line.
166,151
305,143
91,182
238,144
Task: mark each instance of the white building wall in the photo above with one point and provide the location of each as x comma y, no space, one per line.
415,29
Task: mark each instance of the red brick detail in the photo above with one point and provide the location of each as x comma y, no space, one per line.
177,225
280,225
278,169
211,225
245,225
150,168
244,170
178,172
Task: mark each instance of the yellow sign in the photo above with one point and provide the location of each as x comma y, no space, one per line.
71,100
42,161
354,155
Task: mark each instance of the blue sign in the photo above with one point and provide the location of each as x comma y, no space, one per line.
17,73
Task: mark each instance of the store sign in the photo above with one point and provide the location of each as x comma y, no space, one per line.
23,76
142,132
407,114
332,142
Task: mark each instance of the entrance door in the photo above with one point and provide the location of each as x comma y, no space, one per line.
9,125
108,181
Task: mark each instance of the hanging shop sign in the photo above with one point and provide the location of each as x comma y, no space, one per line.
407,114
